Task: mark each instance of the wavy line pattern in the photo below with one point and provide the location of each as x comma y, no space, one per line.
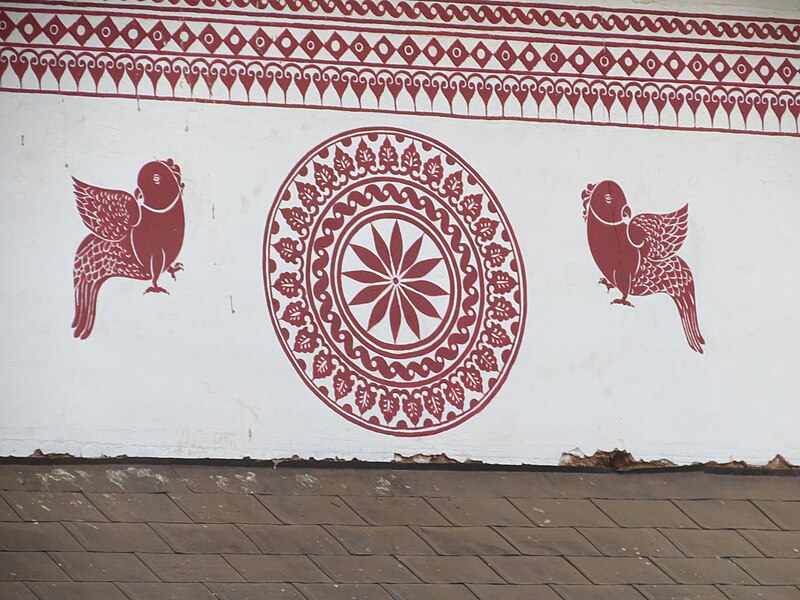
353,67
575,19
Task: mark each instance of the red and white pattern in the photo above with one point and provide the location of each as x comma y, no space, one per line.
469,60
394,281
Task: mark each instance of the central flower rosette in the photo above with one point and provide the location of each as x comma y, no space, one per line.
387,284
396,282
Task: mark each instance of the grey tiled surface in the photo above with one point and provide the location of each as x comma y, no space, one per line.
141,532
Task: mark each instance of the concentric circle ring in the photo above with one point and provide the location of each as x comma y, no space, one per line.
394,281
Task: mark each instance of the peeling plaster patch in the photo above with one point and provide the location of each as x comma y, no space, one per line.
780,463
39,454
428,459
622,460
306,480
616,459
120,476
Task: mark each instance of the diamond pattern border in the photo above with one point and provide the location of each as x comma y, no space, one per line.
752,87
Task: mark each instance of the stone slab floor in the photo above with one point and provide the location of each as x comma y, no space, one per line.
160,531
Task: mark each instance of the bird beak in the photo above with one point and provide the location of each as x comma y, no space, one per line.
626,213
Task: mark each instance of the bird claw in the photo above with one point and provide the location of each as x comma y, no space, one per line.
155,290
623,302
606,283
174,269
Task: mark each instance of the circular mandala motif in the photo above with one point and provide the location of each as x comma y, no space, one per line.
394,281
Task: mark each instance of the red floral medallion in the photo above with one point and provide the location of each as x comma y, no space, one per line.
394,281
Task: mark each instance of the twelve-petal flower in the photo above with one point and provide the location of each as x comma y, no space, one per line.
393,282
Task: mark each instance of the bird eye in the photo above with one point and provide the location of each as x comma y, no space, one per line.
156,178
607,198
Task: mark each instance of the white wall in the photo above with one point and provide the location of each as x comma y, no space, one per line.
185,375
201,372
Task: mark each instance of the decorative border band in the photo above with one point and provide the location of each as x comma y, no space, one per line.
500,16
747,80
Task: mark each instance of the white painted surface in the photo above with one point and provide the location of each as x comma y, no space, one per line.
200,372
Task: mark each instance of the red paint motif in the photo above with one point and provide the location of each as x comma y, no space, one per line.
471,60
137,236
638,256
394,281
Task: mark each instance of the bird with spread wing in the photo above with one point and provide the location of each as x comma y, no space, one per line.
638,255
136,236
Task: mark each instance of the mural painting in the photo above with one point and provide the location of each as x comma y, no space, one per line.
135,236
638,255
400,318
394,281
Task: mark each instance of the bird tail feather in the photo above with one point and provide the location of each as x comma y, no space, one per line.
88,276
687,309
85,307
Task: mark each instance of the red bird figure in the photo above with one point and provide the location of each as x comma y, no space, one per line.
136,236
638,255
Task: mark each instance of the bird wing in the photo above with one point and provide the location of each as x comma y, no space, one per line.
109,214
96,260
659,236
673,277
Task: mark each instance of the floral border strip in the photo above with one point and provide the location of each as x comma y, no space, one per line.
747,82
